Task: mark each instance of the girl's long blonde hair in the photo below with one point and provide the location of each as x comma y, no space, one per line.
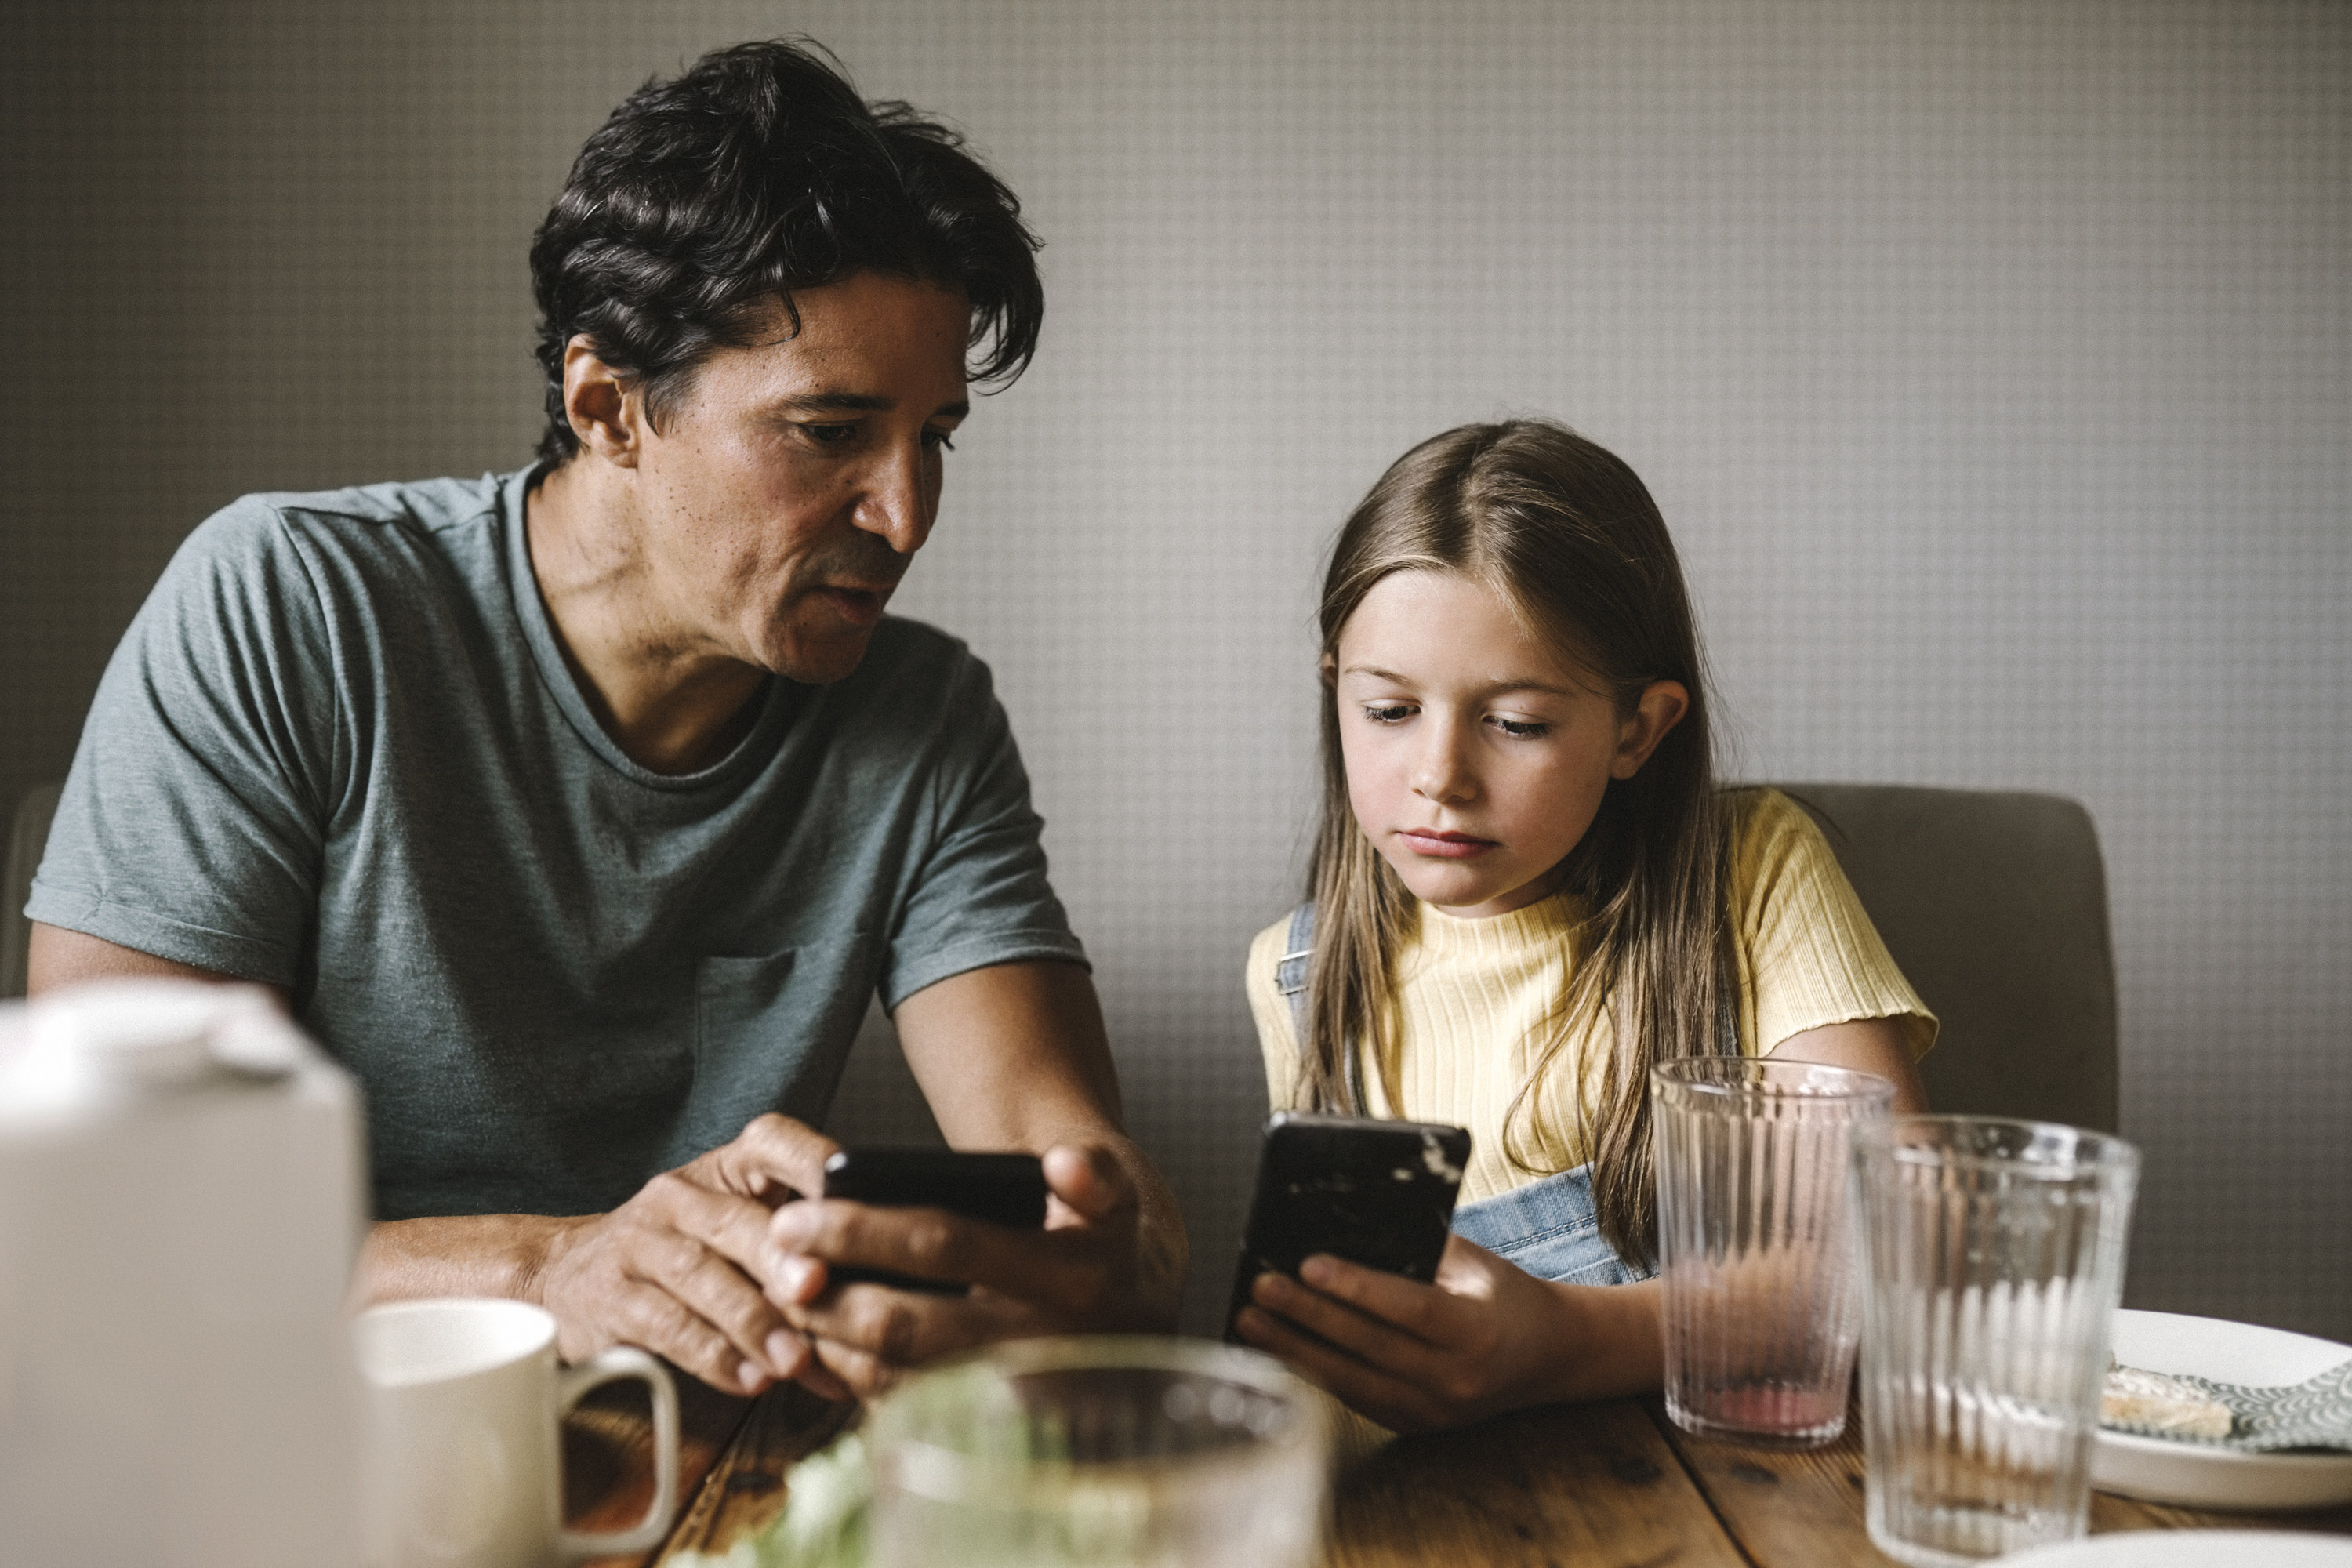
1567,536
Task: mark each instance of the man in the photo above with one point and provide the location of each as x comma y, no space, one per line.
580,811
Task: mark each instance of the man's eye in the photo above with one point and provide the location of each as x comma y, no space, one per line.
1393,713
830,435
937,441
1521,729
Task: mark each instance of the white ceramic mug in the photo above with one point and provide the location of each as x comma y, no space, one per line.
464,1466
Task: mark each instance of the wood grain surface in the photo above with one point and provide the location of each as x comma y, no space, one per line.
1596,1484
1800,1507
745,1495
2110,1513
1615,1482
1781,1505
608,1454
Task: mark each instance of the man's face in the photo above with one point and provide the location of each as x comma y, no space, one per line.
784,497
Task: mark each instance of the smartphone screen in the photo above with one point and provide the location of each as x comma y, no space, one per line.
1002,1189
1373,1192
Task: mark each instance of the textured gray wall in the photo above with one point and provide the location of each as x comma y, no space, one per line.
1989,360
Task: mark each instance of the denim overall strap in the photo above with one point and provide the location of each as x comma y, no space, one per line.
1549,1228
1291,979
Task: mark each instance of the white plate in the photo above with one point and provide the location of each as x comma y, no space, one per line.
2192,1549
2191,1475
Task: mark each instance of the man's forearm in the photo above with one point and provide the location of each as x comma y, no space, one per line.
1162,1249
1015,1056
459,1255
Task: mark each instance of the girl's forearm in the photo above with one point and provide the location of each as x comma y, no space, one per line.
1609,1343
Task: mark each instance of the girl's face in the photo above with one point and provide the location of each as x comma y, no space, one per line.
1477,758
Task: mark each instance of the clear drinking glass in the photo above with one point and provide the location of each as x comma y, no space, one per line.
1112,1452
1754,1243
1992,1258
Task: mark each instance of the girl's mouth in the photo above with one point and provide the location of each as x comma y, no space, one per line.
1443,846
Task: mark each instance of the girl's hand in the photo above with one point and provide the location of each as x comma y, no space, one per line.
1485,1337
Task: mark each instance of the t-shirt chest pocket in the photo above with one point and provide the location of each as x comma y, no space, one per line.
773,1033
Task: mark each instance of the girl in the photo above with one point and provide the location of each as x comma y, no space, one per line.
1527,888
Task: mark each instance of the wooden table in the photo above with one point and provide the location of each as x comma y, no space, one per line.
1609,1483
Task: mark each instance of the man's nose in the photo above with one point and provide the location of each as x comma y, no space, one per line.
897,501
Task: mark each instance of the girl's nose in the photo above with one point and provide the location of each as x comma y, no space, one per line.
1441,775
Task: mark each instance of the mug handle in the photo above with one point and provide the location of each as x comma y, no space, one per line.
571,1383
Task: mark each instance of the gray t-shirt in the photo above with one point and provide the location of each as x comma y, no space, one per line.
340,750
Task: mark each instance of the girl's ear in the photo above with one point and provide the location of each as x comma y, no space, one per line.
1661,707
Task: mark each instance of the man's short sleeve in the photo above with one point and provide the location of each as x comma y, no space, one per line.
979,895
190,823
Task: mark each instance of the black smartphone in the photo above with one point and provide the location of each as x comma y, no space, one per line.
1376,1192
1003,1189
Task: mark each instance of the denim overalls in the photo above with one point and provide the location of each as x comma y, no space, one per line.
1547,1227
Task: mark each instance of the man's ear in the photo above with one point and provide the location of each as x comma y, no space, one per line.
607,409
1662,706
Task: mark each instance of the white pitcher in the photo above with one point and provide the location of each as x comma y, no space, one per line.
181,1200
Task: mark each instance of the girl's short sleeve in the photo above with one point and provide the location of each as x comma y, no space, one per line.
1808,954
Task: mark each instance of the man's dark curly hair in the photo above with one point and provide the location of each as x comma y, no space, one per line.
705,200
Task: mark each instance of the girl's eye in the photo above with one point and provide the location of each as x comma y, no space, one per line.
1521,729
937,441
1393,713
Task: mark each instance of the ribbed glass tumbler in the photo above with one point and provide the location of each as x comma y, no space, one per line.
1992,1259
1103,1452
1755,1244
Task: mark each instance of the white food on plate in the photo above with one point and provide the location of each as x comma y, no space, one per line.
2212,1475
2161,1404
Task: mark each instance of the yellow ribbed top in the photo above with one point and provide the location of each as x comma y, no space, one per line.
1477,999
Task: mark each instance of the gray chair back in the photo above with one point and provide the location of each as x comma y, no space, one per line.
28,834
1995,904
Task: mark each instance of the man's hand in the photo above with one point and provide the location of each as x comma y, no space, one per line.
1010,1056
674,1269
1485,1337
1084,1272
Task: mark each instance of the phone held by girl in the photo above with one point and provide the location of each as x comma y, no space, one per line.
1527,888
